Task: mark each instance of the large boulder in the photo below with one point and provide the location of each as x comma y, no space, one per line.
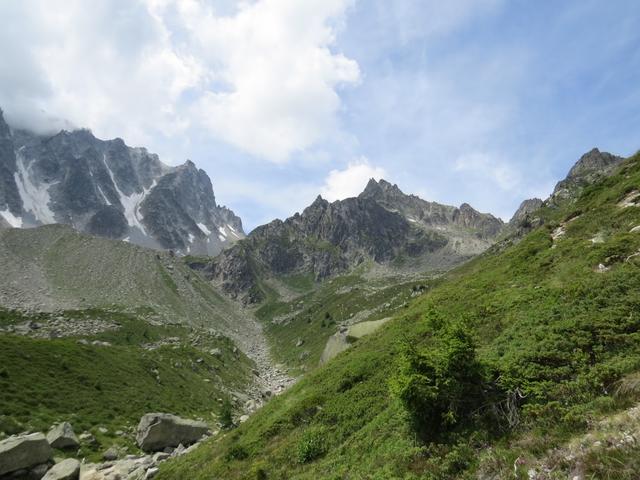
68,469
157,431
62,436
23,451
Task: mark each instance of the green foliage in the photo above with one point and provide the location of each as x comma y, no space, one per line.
442,385
226,414
45,381
312,444
313,316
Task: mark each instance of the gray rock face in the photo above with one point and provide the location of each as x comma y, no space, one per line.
23,451
109,189
62,436
157,431
382,224
592,166
525,210
525,219
10,201
68,469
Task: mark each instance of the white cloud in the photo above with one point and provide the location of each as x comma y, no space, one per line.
483,167
278,74
260,75
350,182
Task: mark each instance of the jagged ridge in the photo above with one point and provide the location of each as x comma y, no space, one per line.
109,189
382,225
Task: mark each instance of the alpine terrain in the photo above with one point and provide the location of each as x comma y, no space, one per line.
109,189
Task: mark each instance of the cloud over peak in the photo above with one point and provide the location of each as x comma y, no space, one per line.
350,181
261,76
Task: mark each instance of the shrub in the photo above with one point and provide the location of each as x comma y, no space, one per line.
312,444
226,415
237,452
442,385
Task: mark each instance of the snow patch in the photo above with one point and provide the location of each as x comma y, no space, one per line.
103,195
191,238
223,232
126,239
412,220
15,222
35,199
204,229
233,231
130,203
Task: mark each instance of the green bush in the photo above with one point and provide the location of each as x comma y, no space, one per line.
226,415
441,385
312,445
237,452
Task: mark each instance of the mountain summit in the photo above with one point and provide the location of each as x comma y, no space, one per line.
382,226
109,189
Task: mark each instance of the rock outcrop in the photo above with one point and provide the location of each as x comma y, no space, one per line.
109,189
591,167
23,452
68,469
157,431
62,436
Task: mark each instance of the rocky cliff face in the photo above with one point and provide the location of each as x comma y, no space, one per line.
381,225
592,166
109,189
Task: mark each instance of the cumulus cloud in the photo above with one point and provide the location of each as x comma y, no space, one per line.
350,182
260,75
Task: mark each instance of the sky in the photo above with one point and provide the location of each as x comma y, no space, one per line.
487,102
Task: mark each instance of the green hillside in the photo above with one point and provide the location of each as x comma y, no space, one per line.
99,332
137,368
497,368
317,311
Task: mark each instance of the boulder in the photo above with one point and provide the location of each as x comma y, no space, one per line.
157,431
23,451
62,436
111,454
68,469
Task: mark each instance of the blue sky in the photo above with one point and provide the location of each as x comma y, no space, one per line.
481,101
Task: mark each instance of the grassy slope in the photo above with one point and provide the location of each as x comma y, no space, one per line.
54,267
543,318
44,381
151,295
314,315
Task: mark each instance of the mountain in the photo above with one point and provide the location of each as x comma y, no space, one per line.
591,167
521,363
382,225
108,189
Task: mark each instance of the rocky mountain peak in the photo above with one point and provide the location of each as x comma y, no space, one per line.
594,161
589,168
381,225
379,189
107,188
526,209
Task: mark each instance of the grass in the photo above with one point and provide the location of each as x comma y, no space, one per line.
315,315
554,333
45,381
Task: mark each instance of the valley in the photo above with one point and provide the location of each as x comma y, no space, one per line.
299,346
